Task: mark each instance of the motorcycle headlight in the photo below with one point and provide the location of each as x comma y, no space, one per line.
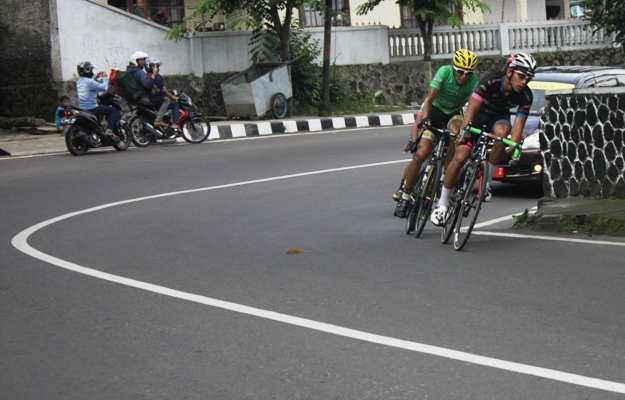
532,141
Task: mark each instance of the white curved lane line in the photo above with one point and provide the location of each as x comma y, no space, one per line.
537,237
20,242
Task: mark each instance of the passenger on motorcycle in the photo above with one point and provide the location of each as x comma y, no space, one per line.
159,90
451,87
136,67
87,88
489,106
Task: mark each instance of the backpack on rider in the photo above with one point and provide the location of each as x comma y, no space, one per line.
124,84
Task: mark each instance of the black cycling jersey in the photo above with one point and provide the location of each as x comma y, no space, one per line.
495,102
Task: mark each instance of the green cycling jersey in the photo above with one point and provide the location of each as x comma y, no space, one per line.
451,96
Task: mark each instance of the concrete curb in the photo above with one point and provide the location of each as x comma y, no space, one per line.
54,143
276,127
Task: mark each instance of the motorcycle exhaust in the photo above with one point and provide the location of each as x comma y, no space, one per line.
153,131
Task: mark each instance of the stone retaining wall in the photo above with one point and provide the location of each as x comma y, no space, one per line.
583,143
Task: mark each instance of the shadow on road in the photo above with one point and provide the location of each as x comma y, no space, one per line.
525,191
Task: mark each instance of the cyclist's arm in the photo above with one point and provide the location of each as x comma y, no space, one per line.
427,105
475,103
517,129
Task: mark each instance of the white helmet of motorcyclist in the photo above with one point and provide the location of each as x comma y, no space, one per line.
138,55
152,62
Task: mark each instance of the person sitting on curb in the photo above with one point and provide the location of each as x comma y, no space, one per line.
60,113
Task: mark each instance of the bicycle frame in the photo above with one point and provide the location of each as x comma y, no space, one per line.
465,205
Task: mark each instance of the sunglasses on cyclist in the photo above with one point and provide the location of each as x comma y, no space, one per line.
462,72
523,76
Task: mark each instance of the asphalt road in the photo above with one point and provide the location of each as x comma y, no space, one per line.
164,273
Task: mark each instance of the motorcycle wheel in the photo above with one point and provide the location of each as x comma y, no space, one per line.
279,105
196,129
138,134
75,140
124,138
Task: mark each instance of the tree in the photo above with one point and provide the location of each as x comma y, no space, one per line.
429,11
608,14
258,14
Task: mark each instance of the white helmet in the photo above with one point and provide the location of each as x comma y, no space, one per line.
523,62
137,55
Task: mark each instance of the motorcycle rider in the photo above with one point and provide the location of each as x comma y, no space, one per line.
87,88
136,67
159,90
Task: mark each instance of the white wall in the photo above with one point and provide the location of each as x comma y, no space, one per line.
356,44
92,31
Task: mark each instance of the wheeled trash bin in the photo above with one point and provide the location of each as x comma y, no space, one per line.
261,88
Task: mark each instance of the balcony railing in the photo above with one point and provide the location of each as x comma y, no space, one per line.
498,39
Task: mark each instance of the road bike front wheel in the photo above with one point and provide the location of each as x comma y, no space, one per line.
471,204
454,205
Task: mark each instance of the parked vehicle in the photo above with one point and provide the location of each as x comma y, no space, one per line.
83,129
530,166
194,127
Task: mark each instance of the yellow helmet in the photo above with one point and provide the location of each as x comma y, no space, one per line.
465,59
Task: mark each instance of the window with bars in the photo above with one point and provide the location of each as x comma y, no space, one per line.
165,12
312,18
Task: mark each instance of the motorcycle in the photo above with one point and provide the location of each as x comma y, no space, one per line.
194,127
83,130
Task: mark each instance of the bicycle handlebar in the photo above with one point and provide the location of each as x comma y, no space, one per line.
477,131
441,131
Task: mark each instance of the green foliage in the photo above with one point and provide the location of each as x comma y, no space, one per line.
305,74
522,218
439,11
608,14
429,11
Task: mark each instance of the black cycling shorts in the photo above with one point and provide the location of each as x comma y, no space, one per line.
486,123
440,120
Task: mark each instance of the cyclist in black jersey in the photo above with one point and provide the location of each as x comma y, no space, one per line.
451,87
489,108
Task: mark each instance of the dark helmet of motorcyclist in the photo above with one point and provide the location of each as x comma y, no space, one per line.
151,62
85,69
138,55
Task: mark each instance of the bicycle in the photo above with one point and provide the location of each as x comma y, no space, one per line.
468,194
428,184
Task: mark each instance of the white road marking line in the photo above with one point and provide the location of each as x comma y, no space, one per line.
20,242
536,237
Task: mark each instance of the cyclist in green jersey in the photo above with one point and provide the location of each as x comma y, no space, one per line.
451,87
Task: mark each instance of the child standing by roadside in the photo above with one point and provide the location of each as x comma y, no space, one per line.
60,113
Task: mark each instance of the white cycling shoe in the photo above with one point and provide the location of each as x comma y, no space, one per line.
438,215
489,193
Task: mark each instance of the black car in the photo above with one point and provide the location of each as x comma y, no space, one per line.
530,166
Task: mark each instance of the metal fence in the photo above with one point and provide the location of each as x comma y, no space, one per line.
498,39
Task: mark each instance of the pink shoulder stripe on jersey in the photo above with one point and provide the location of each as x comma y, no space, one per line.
478,97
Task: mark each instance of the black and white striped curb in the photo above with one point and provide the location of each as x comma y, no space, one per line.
239,130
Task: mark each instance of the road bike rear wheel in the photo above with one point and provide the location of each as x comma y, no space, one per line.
471,204
427,196
411,219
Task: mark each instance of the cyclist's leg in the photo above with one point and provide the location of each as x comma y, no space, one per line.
454,125
426,144
500,127
423,151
